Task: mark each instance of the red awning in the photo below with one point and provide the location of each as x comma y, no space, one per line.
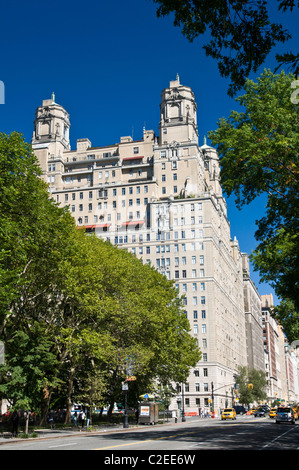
102,225
134,222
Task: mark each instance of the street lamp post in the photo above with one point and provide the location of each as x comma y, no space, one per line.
183,407
125,389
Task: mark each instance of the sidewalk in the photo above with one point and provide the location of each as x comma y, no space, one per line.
101,429
74,431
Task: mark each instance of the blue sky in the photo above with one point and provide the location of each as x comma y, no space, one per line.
107,63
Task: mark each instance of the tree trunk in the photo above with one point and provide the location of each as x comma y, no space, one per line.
45,409
69,397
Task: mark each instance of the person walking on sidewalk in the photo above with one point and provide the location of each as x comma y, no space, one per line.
15,423
82,418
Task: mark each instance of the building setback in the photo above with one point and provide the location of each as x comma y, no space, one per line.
160,198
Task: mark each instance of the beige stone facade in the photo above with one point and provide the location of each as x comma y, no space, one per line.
160,197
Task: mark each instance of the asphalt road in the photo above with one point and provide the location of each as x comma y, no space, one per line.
184,441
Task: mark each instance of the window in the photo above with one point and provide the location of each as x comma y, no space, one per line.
203,328
194,314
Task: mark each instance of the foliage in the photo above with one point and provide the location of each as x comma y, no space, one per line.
258,380
286,315
74,309
240,33
258,151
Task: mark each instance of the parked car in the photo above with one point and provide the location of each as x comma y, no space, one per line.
240,410
285,415
228,413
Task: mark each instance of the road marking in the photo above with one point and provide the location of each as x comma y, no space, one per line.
278,437
148,440
63,445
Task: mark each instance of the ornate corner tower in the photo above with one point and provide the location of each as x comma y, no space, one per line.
51,126
50,137
178,120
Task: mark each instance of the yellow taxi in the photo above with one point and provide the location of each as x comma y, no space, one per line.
272,413
228,413
295,411
253,410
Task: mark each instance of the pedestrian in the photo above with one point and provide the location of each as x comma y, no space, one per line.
82,418
15,423
75,418
87,418
137,415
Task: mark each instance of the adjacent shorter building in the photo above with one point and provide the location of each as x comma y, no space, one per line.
281,359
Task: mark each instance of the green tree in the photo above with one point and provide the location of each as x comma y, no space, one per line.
288,317
81,299
240,33
252,385
258,151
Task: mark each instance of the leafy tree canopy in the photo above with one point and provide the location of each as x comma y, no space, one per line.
258,151
240,33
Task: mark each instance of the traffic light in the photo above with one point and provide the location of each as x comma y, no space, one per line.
250,386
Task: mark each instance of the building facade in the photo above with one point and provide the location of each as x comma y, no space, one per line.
160,198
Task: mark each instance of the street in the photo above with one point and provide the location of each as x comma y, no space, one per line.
247,433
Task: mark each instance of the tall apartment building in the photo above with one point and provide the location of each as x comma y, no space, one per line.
160,198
